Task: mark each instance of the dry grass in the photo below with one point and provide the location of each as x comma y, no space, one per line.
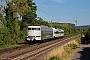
64,52
69,51
56,52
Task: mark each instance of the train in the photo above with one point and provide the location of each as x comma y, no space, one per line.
38,33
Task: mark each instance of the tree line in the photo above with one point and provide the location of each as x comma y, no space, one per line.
15,16
87,35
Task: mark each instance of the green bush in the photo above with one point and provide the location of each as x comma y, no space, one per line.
73,46
87,35
54,58
3,36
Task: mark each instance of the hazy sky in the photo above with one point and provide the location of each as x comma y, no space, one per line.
64,11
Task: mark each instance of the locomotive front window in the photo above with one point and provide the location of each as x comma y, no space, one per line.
35,28
38,28
62,32
29,28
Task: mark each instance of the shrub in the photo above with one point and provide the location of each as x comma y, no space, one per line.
73,46
54,58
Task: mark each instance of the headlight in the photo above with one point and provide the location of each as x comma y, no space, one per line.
28,39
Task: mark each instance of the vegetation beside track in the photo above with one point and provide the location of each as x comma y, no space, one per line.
87,35
68,50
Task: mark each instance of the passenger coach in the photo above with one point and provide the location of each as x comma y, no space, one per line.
57,32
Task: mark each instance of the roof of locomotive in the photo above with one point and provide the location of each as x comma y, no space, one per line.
58,29
42,26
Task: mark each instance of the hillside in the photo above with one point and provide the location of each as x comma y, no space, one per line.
83,27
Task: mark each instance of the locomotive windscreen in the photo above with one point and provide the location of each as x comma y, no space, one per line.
29,28
33,28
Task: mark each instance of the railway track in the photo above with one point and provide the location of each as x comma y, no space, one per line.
29,53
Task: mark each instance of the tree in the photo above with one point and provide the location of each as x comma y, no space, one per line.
9,18
67,28
12,10
40,21
87,34
1,23
2,18
17,27
4,33
29,18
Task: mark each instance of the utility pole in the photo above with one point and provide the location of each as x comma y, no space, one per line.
76,24
51,23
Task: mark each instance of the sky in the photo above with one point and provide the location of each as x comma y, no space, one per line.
64,11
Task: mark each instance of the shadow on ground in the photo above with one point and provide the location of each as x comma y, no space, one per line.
85,52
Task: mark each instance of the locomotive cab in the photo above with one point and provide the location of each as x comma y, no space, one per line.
33,33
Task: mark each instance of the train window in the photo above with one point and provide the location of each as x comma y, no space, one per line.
38,28
29,28
62,32
57,32
35,28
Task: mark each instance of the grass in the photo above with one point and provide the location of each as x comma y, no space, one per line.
67,51
8,46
